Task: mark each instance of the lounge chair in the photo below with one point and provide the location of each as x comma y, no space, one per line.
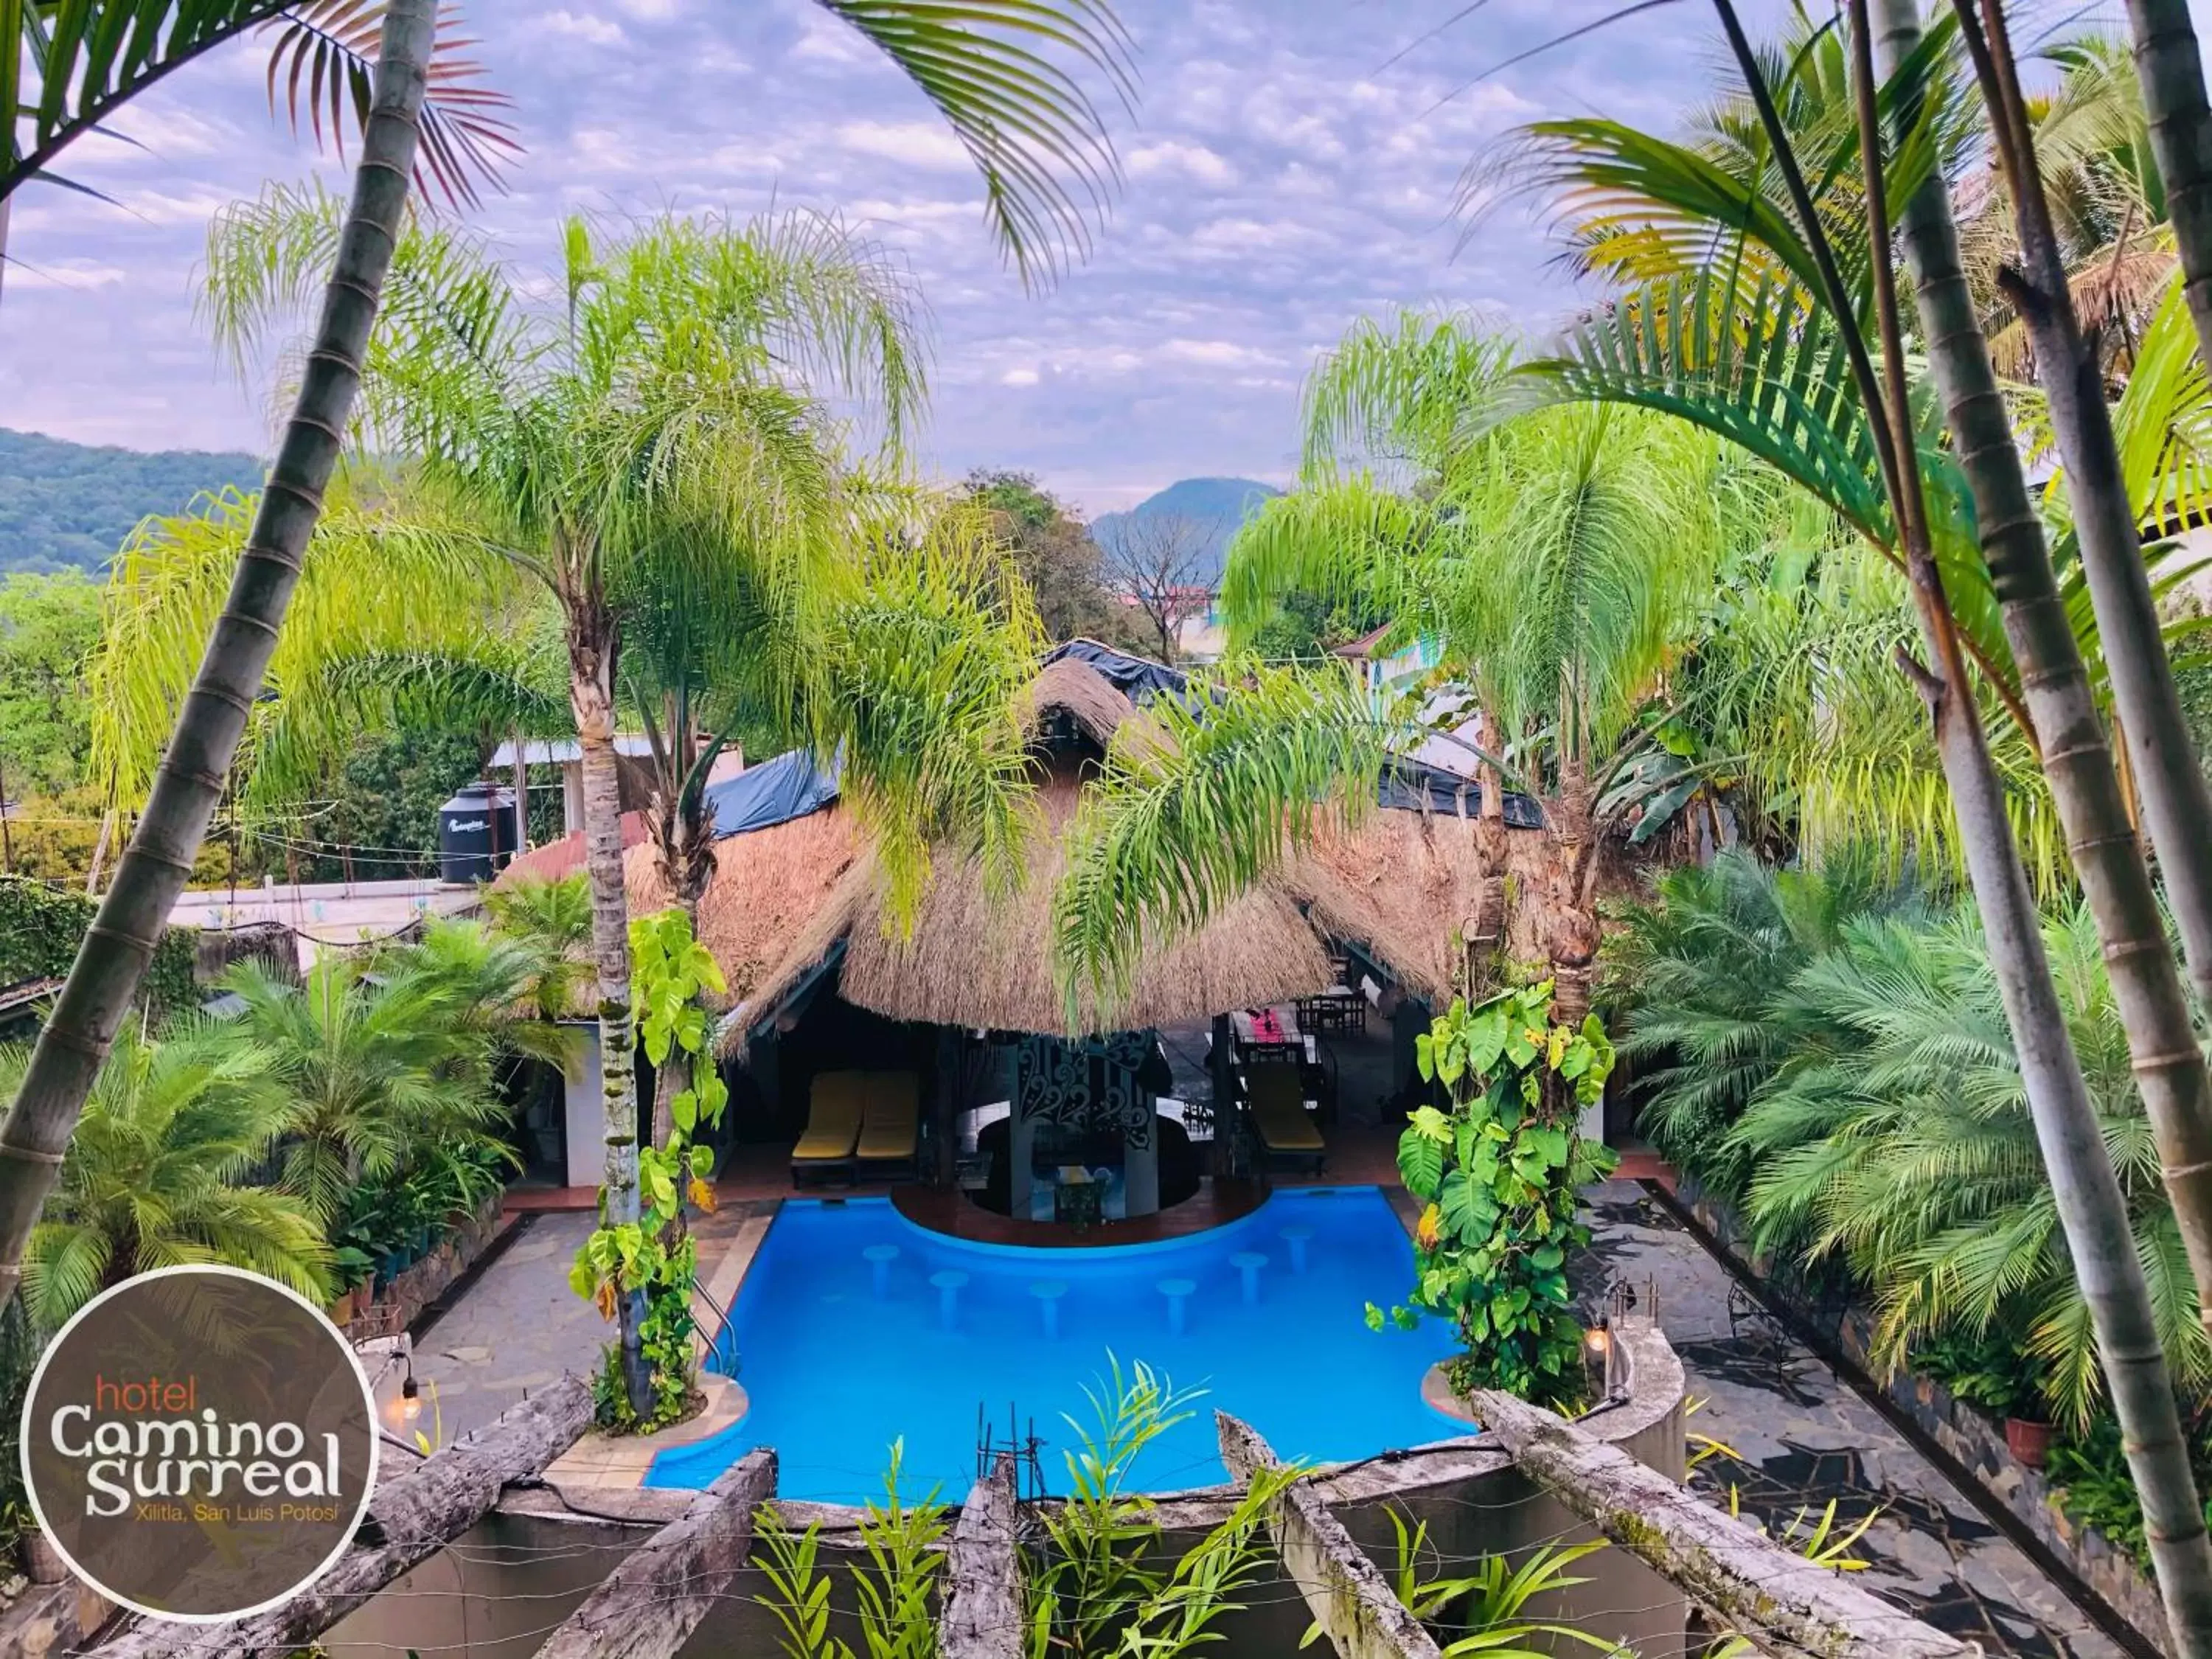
891,1124
833,1126
1287,1135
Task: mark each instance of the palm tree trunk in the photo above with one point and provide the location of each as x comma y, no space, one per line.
1489,931
2169,1067
112,960
1573,933
591,629
2172,72
2107,856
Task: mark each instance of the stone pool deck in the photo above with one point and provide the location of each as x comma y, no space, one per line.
1798,1435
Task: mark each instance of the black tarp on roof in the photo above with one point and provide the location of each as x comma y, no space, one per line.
775,792
1138,678
1412,785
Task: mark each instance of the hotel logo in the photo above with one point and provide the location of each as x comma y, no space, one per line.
199,1444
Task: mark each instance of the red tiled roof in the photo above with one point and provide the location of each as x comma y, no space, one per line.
564,857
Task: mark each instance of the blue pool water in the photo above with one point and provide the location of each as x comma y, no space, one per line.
837,1372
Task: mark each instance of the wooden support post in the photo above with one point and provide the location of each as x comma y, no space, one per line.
1224,1069
1351,1600
412,1518
1780,1602
982,1616
650,1605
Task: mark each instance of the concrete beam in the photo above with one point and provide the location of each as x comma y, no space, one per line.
649,1606
1780,1602
1351,1600
982,1616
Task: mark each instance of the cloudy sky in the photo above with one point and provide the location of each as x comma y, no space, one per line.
1283,177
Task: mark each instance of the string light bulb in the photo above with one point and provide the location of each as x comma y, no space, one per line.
411,1397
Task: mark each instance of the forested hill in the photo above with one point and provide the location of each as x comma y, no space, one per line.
65,505
1212,507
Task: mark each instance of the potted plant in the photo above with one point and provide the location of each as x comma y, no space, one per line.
2028,1439
1994,1371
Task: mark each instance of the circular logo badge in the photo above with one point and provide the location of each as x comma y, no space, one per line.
199,1444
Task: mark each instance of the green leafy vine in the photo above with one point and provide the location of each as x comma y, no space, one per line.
1499,1174
670,969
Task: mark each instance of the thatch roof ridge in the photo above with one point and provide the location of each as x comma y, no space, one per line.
1094,703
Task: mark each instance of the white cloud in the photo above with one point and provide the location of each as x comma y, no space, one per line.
1217,354
67,274
1018,377
1240,235
1172,159
918,143
584,26
825,41
648,10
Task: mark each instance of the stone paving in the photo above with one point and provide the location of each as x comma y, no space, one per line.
1800,1437
519,1326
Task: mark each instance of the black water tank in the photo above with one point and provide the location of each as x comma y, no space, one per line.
476,834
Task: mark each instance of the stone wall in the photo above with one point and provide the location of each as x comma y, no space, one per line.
1971,1436
400,1302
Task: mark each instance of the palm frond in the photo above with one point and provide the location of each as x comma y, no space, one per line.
1196,801
1003,74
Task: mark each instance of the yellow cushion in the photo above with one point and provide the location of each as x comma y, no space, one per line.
1278,1111
890,1127
833,1120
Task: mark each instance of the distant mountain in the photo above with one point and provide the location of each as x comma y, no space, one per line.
1215,506
64,504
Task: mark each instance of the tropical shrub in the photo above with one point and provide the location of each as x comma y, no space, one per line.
155,1174
2089,1468
1500,1173
1695,976
1827,1049
904,1545
1914,1159
1485,1612
378,1068
1098,1581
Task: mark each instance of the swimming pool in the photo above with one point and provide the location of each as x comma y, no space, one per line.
838,1364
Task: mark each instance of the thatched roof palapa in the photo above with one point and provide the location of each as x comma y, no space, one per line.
1398,884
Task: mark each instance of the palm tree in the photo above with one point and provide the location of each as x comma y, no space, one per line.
553,920
373,1071
112,960
2085,784
1700,982
1034,135
74,62
652,463
1729,350
153,1175
1559,562
2172,71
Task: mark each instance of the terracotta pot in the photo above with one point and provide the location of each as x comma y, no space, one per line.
2030,1442
42,1562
